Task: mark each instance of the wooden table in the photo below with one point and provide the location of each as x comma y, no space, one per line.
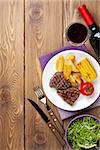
28,30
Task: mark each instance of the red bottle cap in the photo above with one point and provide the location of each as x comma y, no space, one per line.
86,15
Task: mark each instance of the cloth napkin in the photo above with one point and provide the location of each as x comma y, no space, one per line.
43,61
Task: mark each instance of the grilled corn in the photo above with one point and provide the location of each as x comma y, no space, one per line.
86,69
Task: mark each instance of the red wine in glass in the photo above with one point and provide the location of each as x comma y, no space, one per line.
76,33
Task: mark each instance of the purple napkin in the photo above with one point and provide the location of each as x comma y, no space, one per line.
43,61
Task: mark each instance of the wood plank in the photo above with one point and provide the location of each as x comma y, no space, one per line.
43,33
11,75
70,14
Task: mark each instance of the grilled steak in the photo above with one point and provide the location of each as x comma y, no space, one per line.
69,95
64,88
59,82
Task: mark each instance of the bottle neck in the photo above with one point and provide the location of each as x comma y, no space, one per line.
93,27
86,15
88,18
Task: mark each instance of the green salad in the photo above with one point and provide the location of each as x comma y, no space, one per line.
84,133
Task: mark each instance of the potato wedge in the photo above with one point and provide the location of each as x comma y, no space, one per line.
77,77
73,81
71,57
67,70
73,67
60,64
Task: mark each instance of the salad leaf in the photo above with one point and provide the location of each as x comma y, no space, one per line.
84,133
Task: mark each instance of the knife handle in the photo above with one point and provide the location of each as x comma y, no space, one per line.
56,133
57,122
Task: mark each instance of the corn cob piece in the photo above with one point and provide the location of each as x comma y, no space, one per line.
86,69
60,64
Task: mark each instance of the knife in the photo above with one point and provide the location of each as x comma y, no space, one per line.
41,96
48,122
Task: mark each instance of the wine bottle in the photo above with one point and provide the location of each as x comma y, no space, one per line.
95,30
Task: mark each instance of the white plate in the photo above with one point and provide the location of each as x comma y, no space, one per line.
83,101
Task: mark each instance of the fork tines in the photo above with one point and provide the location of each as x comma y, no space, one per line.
39,93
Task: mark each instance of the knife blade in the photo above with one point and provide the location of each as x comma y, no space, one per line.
48,122
43,115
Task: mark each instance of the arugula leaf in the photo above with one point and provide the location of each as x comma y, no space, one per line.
84,133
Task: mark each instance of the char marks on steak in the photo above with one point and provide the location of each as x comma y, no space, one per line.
69,95
59,82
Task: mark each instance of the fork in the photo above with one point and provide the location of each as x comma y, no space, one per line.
41,96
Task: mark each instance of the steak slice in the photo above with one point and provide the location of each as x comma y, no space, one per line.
57,77
69,95
63,84
59,82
